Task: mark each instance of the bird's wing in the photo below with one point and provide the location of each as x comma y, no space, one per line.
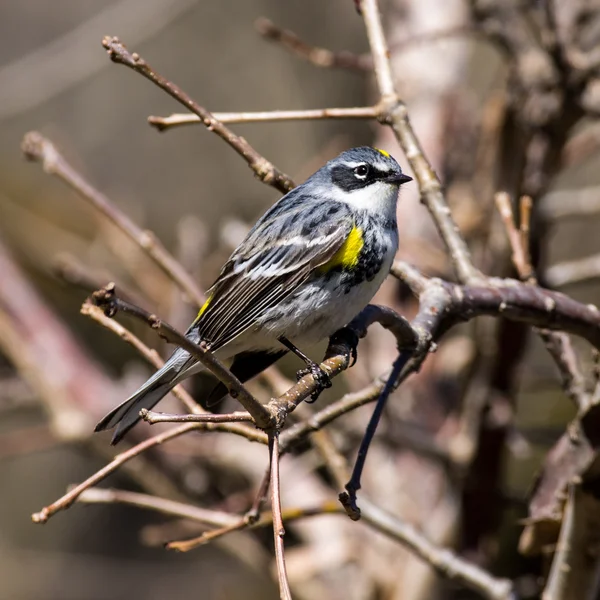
276,257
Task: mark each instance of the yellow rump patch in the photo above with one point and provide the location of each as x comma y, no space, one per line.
348,254
386,154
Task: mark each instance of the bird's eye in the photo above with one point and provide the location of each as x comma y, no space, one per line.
361,171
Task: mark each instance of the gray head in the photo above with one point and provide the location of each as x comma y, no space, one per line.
359,168
364,177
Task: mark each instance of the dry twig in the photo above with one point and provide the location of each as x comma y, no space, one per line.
262,168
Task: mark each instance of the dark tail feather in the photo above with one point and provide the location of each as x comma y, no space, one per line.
127,414
245,366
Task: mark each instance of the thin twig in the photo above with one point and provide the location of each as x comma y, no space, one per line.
157,417
557,343
65,501
177,119
248,520
278,529
214,518
320,57
151,355
262,168
37,148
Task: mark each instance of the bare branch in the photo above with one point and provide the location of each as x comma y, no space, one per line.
177,119
157,417
65,501
278,529
106,299
214,518
557,343
393,112
320,57
262,168
38,148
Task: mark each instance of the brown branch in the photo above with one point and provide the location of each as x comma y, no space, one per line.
505,298
575,571
213,518
248,520
325,58
278,529
157,417
393,112
37,148
97,314
67,500
262,168
443,560
177,119
319,57
557,343
106,299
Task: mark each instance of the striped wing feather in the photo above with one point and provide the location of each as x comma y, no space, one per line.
260,274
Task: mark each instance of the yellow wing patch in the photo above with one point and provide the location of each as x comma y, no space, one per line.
348,254
203,307
386,154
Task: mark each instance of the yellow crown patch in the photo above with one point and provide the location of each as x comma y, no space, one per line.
386,154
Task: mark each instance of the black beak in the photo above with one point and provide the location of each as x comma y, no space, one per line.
398,178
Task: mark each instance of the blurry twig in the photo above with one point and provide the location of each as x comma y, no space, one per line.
320,57
36,147
557,343
214,518
344,59
262,168
65,501
149,354
574,271
441,559
40,75
177,119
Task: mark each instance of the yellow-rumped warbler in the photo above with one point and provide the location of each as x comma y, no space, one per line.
306,269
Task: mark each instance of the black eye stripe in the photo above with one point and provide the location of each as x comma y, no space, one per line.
346,177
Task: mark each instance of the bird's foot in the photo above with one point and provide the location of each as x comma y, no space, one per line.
320,376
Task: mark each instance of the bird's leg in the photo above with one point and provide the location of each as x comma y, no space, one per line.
344,340
320,376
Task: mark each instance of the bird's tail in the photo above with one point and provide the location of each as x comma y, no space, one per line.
127,414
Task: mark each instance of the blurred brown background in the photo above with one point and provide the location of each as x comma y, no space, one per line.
189,188
55,77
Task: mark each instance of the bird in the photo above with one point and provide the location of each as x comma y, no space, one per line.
309,265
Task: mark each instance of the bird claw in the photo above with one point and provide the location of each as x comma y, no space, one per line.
321,378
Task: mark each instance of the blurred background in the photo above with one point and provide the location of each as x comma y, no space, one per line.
474,110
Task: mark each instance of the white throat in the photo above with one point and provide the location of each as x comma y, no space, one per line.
379,197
